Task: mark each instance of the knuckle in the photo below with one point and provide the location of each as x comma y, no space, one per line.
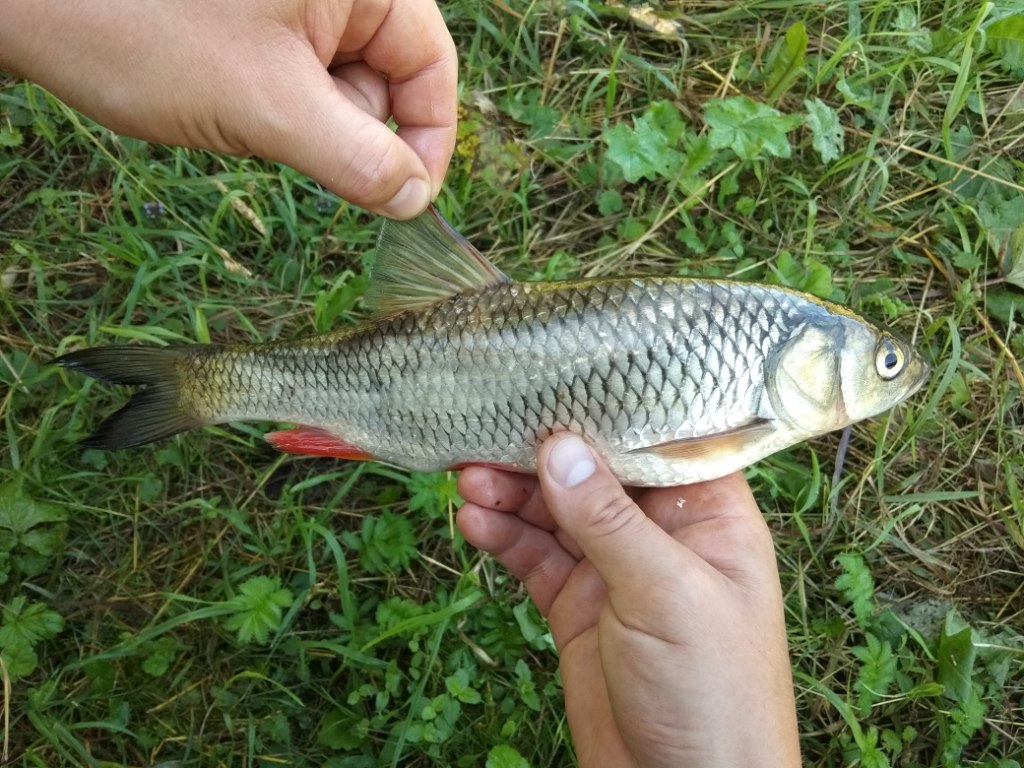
612,514
374,171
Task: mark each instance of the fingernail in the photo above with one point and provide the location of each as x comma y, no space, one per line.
571,462
412,198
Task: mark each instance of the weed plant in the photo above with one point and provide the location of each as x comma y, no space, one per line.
208,602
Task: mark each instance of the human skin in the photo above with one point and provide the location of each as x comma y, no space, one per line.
309,83
667,612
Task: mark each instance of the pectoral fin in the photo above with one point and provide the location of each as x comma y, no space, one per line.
313,441
712,446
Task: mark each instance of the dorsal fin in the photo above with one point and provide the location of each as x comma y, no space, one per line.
422,261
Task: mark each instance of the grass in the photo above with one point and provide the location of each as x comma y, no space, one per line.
207,602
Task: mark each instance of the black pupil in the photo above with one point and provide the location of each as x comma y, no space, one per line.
891,361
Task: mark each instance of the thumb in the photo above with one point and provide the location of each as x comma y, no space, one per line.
629,550
322,133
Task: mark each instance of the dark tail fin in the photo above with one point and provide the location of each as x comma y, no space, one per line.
153,412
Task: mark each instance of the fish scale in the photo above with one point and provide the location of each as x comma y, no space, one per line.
671,380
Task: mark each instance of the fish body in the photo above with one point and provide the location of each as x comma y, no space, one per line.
671,380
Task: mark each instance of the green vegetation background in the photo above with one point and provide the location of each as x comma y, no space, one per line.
208,602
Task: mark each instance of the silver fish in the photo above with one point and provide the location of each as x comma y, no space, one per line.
672,380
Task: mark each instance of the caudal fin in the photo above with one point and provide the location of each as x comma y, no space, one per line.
152,413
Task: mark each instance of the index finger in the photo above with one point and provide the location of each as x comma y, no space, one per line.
415,51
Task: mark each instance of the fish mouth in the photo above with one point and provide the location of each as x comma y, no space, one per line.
923,375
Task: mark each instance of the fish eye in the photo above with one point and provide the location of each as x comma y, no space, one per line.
889,359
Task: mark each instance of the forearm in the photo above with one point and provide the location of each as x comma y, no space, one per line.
99,56
41,40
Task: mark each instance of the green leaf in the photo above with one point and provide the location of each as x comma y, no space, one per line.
28,622
505,756
915,35
258,607
1013,259
698,154
956,656
1005,38
664,115
30,531
877,673
609,202
810,275
826,131
624,150
20,660
1001,220
332,304
433,493
857,586
24,625
534,631
19,513
856,93
787,61
749,128
336,731
385,542
459,687
527,687
646,151
160,658
967,260
11,137
963,722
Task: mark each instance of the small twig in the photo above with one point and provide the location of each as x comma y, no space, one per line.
6,755
551,61
841,451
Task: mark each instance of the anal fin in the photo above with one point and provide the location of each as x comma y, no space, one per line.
314,441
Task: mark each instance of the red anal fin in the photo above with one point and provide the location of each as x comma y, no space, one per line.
313,441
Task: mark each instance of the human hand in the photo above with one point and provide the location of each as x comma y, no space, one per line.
667,611
309,83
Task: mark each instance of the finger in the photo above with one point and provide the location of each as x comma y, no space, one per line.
365,88
493,488
532,555
578,605
630,551
414,50
507,491
317,130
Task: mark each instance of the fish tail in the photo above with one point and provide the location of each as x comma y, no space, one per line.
153,412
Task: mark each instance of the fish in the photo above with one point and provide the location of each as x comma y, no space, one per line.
671,380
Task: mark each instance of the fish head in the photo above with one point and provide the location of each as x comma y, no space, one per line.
877,370
836,370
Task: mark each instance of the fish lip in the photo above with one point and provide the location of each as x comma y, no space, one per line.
922,377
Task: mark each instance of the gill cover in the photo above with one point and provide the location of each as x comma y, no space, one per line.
803,381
